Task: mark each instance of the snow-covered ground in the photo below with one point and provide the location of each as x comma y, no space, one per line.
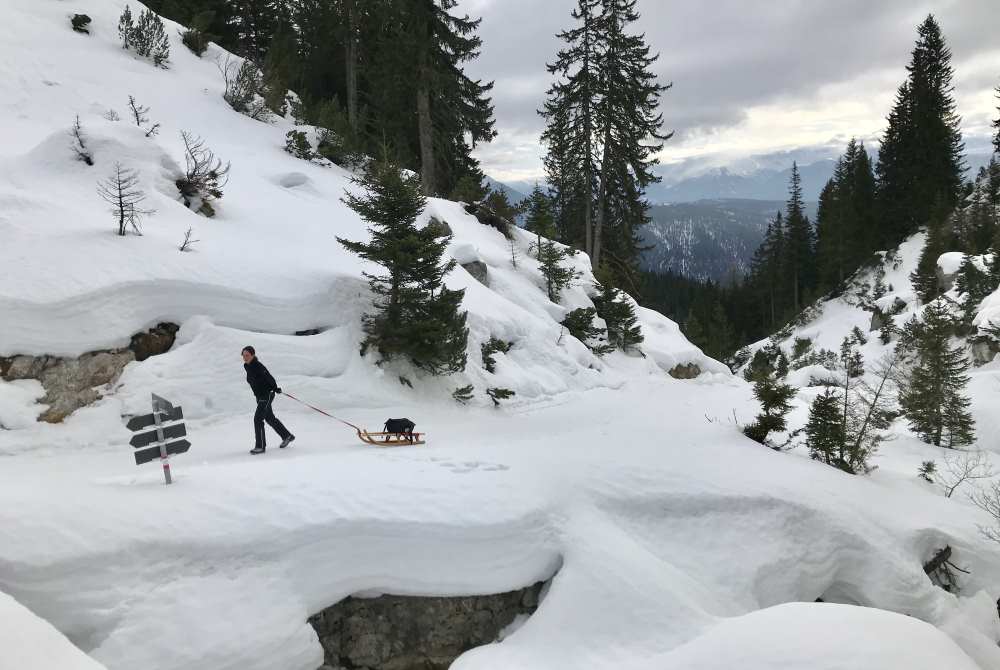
673,540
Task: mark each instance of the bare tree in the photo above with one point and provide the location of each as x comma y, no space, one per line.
988,500
121,190
112,115
958,469
79,145
188,243
204,175
244,88
139,114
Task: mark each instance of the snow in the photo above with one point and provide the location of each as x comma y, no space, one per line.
950,261
29,643
671,540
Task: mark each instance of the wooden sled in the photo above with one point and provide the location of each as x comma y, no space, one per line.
391,439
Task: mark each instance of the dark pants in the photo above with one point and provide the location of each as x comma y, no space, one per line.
265,413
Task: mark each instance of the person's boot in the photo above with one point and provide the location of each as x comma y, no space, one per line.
287,441
257,450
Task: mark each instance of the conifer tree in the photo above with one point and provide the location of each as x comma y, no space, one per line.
628,126
830,234
619,316
996,124
825,436
439,44
774,396
920,161
800,261
766,277
417,316
551,256
565,171
934,401
974,285
924,277
570,114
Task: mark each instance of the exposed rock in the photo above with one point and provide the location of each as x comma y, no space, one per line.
945,280
72,383
488,217
415,633
308,331
478,270
69,382
440,228
154,341
983,350
685,371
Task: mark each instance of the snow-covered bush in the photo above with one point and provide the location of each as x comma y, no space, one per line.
493,346
244,88
298,145
204,175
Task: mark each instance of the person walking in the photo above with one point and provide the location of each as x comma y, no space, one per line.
264,389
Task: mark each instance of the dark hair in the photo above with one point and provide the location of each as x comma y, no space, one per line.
251,350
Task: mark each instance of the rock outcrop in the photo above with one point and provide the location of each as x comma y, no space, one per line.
415,633
72,383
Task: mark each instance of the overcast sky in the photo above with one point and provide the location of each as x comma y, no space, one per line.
750,77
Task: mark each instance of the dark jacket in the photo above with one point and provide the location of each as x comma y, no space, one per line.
260,380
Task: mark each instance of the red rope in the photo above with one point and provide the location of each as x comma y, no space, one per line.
317,409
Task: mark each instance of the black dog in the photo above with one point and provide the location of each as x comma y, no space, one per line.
400,427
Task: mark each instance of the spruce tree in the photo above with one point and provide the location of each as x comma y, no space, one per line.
628,125
614,306
416,315
439,43
996,124
551,255
830,233
934,401
570,112
800,261
974,285
774,396
825,437
920,161
924,277
766,278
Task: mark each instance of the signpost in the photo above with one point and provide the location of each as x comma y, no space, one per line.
167,426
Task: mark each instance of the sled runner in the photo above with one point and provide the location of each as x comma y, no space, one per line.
391,439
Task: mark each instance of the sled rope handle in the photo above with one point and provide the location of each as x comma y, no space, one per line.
317,409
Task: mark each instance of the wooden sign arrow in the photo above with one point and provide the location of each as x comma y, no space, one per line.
147,420
169,432
152,453
161,405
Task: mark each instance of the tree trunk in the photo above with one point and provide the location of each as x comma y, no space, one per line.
352,64
595,258
588,130
426,130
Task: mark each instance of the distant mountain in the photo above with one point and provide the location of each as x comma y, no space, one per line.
760,184
707,239
515,195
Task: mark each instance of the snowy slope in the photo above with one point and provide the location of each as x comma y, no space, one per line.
29,643
671,539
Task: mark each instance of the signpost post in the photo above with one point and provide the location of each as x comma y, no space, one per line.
167,426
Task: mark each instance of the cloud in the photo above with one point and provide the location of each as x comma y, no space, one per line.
748,77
